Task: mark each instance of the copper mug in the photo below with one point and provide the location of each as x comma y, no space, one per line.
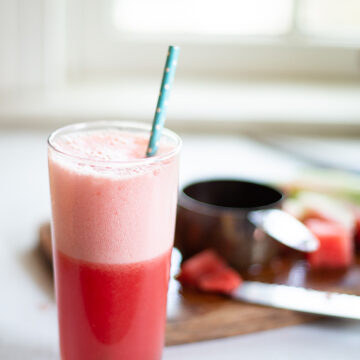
241,220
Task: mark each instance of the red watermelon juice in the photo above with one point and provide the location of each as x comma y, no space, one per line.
113,217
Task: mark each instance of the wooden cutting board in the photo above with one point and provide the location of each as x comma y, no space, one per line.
194,316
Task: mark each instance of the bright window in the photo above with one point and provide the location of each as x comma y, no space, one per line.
226,17
108,38
330,18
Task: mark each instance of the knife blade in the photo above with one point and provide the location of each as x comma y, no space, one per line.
299,299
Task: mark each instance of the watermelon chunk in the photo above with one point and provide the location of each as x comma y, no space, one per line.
224,280
207,261
336,245
207,271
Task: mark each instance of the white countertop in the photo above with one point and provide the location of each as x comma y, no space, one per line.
28,327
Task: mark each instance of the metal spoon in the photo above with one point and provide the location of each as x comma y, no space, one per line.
284,228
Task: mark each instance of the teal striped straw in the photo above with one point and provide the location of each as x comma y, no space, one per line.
161,106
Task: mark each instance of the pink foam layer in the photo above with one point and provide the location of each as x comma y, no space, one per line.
109,215
112,145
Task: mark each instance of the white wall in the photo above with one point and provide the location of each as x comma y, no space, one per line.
31,44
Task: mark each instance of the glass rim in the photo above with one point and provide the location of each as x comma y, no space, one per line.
111,124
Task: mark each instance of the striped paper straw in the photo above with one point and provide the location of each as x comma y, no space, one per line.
161,107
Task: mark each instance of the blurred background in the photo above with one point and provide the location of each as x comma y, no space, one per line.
259,66
263,90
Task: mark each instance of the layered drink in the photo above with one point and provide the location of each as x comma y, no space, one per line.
113,218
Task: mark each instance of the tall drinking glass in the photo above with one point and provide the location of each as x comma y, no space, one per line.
113,219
